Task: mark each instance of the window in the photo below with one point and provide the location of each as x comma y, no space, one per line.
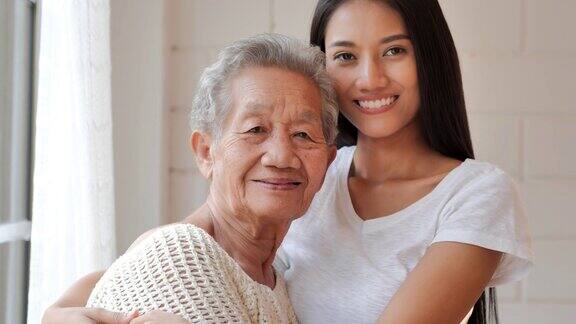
16,102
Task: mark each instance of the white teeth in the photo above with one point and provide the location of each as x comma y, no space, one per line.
375,104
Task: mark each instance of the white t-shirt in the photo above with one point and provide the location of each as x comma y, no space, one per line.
342,269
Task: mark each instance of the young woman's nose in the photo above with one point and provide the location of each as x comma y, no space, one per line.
371,76
279,153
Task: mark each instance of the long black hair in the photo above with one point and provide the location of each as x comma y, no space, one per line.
442,112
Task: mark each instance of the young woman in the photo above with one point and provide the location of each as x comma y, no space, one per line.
407,228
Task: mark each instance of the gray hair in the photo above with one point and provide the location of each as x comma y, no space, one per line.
211,103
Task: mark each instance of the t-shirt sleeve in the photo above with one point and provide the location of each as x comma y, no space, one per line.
487,212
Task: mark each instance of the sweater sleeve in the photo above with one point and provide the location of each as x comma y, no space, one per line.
487,212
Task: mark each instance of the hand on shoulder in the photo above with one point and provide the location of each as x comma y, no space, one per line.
84,315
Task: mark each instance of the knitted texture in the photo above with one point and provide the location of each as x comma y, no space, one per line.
180,269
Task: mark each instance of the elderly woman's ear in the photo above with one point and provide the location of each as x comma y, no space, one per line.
201,145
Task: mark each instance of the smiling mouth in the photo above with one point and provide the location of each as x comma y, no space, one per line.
280,184
376,105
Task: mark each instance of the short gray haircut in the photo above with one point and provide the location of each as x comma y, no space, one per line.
211,103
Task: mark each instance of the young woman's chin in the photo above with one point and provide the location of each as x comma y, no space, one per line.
383,128
382,133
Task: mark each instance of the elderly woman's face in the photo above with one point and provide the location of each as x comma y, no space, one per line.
272,155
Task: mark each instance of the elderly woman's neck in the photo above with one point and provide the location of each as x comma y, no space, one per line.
250,243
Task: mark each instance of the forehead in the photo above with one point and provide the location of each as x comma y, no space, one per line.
364,18
265,90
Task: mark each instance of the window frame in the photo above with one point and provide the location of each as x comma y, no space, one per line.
20,98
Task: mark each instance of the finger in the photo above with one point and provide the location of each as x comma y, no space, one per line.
104,316
150,317
130,316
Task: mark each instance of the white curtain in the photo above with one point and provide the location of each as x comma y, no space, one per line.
73,199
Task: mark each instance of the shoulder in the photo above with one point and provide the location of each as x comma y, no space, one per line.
179,241
475,177
171,233
142,237
484,208
481,189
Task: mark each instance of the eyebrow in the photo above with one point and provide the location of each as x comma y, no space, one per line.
308,116
388,39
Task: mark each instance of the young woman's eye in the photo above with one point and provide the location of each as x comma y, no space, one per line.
394,51
344,57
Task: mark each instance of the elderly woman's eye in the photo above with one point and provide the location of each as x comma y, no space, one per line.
395,51
303,135
344,57
256,130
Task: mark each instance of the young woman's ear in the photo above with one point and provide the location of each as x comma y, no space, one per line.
201,145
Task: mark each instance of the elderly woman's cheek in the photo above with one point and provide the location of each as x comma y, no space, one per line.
316,164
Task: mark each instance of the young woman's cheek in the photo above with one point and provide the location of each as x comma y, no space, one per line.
406,70
335,70
341,80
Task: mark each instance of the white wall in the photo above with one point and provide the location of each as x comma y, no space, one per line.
139,116
518,58
518,68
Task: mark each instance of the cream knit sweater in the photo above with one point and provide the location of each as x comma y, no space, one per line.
182,270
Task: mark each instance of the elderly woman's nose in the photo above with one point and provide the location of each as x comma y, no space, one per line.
279,153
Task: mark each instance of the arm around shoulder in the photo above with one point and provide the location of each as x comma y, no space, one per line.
69,308
77,295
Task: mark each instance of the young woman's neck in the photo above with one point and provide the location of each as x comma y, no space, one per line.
403,155
250,242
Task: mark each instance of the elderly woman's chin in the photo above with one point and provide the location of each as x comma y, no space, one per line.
280,202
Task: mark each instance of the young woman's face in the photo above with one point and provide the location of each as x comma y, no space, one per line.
371,61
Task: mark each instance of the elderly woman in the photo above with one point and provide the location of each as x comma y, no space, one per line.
263,125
